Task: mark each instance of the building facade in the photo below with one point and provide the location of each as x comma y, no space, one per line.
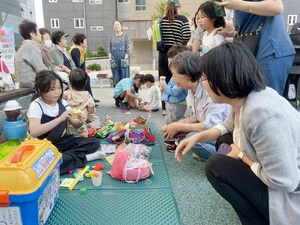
13,12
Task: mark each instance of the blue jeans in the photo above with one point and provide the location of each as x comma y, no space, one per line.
203,149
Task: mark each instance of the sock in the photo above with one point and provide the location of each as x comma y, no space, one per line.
95,155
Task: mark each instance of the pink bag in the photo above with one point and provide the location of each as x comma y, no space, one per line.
129,169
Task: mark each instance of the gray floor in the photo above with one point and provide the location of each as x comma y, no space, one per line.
197,202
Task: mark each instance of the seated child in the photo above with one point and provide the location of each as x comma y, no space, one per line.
48,116
78,98
126,89
175,99
153,98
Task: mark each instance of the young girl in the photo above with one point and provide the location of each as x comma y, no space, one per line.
127,88
208,21
78,98
48,116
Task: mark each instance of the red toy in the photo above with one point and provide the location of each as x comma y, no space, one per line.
99,166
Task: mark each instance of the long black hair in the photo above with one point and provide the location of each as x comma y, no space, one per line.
208,9
43,81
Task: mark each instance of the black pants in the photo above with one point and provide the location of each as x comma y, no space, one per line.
88,86
163,68
237,184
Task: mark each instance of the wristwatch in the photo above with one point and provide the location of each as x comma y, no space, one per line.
240,156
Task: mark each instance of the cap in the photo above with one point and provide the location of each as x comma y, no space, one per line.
12,105
176,2
57,35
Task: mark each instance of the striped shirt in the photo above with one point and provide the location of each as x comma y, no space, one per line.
178,32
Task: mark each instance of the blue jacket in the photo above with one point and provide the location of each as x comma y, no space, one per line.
173,94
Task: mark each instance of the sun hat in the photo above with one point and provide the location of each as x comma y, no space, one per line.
57,35
176,2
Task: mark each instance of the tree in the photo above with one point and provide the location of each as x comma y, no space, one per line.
161,10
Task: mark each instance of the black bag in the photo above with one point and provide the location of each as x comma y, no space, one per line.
250,39
296,42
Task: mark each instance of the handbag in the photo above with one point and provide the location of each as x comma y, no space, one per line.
250,39
124,62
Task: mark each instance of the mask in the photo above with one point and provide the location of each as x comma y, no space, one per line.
48,43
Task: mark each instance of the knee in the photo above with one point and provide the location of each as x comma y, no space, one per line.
212,165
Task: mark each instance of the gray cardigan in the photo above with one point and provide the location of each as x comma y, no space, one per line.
28,62
270,136
58,58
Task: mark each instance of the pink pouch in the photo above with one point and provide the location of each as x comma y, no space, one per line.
129,169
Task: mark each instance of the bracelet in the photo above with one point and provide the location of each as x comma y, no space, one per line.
240,156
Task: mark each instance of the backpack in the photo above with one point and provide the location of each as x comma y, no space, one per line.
130,166
158,36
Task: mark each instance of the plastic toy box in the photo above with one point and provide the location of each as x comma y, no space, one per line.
29,183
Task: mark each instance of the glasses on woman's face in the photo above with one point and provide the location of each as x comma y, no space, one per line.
202,79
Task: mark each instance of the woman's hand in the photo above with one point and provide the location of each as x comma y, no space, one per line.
235,150
170,131
223,31
229,4
126,56
185,146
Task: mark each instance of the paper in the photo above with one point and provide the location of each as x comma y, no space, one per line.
110,158
67,182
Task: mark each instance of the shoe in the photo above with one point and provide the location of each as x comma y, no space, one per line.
123,106
169,142
171,148
196,157
154,110
164,112
96,105
96,100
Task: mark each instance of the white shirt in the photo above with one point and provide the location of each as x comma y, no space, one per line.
210,41
153,97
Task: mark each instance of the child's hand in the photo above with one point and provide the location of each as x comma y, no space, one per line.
66,115
139,99
162,84
82,118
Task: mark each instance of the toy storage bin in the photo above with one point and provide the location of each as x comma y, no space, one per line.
29,183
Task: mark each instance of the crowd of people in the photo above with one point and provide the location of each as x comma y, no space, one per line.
234,95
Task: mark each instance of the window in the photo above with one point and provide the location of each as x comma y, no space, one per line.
52,1
77,0
292,19
123,1
140,5
96,28
78,23
54,23
95,1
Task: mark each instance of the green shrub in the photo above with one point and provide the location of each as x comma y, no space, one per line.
94,66
101,52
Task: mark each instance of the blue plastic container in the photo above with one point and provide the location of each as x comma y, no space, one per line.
15,129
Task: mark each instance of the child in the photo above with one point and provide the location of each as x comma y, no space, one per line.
48,116
174,98
78,98
126,88
208,21
153,98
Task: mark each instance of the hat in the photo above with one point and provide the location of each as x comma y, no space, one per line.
176,2
12,105
57,35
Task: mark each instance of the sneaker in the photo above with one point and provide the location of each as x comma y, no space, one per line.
123,106
171,148
169,142
196,157
116,102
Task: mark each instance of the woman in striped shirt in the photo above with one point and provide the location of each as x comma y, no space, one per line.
175,30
